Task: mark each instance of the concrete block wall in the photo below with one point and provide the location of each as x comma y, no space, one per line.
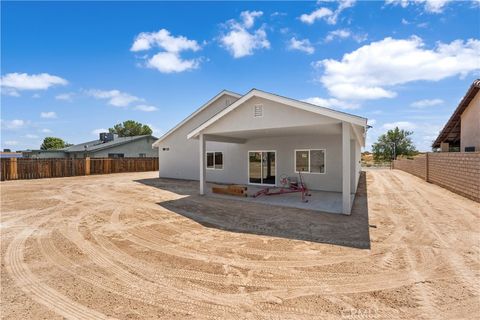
416,166
458,172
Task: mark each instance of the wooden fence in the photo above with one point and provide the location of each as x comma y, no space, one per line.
24,168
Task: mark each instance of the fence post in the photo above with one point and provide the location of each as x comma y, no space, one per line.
426,166
87,166
13,169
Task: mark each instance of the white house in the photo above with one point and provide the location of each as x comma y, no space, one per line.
257,137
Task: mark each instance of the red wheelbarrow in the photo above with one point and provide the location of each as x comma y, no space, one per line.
289,185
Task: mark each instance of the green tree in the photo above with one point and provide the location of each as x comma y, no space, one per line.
130,128
392,144
53,143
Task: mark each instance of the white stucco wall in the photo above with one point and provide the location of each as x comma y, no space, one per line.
470,125
181,161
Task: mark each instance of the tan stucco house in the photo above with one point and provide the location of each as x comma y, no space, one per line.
462,131
255,138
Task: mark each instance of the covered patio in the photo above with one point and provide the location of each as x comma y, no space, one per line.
284,129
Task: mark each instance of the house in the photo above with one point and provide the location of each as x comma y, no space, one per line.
258,137
108,145
462,131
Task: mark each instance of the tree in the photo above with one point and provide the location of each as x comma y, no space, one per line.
53,143
392,144
130,128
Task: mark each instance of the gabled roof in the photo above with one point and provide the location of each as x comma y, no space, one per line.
203,107
96,145
99,145
451,132
342,116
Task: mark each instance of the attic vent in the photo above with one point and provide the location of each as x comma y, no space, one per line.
227,102
258,111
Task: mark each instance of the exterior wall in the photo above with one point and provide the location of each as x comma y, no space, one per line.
181,161
44,154
470,125
275,115
235,164
130,150
416,166
458,172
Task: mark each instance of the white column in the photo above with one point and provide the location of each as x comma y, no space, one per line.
346,199
203,172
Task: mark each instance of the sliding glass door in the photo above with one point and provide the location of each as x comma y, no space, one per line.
262,167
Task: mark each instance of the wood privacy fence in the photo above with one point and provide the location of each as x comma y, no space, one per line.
458,172
20,168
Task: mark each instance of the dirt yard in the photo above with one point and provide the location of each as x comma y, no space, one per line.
132,246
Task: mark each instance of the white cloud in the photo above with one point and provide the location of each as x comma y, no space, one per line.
406,125
31,136
328,15
36,96
426,103
405,21
96,132
146,108
248,17
157,132
430,6
315,15
115,97
164,40
370,71
340,33
65,96
13,124
48,115
45,130
23,81
332,103
371,122
10,92
11,143
239,40
168,60
302,45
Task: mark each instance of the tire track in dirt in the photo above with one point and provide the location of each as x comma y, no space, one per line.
40,292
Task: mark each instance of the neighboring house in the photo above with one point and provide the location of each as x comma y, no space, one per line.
108,145
462,131
259,137
9,154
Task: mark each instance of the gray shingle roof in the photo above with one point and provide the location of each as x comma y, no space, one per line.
97,144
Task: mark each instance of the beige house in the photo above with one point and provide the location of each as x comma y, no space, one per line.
462,131
256,138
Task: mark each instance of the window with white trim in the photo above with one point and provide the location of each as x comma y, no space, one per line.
310,160
215,160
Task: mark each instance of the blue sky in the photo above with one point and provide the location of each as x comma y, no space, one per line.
72,69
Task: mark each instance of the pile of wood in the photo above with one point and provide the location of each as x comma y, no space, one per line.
232,190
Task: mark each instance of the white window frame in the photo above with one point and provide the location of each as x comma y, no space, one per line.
206,158
309,157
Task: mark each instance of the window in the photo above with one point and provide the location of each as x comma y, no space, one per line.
142,155
311,161
215,160
115,155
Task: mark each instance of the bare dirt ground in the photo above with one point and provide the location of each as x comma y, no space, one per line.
131,246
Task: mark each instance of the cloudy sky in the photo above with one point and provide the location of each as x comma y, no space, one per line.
72,70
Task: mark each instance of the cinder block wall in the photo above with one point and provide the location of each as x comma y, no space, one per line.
417,166
458,172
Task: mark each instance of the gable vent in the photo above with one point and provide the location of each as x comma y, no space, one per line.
258,111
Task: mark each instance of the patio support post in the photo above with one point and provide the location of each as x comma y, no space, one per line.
202,144
346,198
